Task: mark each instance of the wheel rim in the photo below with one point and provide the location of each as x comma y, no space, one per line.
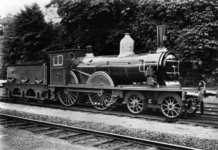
40,100
25,99
170,107
101,100
67,97
135,104
193,106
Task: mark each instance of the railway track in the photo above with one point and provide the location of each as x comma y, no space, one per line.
209,118
101,140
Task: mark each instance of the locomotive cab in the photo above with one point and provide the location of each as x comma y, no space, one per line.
60,64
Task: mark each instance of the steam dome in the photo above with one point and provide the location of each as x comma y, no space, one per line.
126,46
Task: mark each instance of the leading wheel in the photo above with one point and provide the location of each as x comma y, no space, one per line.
101,100
67,97
171,108
192,106
135,102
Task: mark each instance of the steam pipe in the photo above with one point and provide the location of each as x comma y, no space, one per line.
211,93
193,94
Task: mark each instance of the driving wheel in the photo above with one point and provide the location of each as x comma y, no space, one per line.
67,97
101,100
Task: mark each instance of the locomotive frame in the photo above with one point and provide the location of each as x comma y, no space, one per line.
139,81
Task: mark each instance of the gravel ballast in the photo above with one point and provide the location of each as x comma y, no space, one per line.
199,137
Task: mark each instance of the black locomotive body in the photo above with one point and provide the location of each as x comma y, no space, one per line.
139,81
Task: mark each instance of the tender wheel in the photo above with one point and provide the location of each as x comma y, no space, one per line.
101,100
170,107
136,102
40,101
67,97
13,99
26,99
192,106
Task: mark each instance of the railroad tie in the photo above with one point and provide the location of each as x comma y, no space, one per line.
119,146
82,138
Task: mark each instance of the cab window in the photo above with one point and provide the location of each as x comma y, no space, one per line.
58,60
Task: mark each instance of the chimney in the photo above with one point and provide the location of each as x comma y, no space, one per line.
161,38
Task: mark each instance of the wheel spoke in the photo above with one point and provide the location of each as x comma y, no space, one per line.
100,101
173,101
168,112
177,108
94,97
136,103
107,97
167,102
67,98
170,107
73,95
175,112
132,98
104,101
72,99
137,110
140,104
130,103
165,109
96,100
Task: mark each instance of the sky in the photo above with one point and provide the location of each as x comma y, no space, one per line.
14,6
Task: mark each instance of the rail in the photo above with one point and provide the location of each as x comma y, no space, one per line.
129,140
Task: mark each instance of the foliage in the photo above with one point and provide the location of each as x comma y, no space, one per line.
100,23
26,37
192,29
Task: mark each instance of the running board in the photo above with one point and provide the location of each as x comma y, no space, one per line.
86,91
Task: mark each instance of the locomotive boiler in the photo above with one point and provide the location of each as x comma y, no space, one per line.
139,81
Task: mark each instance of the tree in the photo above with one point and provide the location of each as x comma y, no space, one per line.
192,29
100,23
27,37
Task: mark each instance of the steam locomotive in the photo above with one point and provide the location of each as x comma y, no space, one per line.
140,81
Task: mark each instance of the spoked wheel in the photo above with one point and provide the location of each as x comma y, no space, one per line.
13,99
67,97
171,108
192,106
40,101
101,100
26,99
135,102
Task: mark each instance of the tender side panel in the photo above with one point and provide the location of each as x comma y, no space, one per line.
27,74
